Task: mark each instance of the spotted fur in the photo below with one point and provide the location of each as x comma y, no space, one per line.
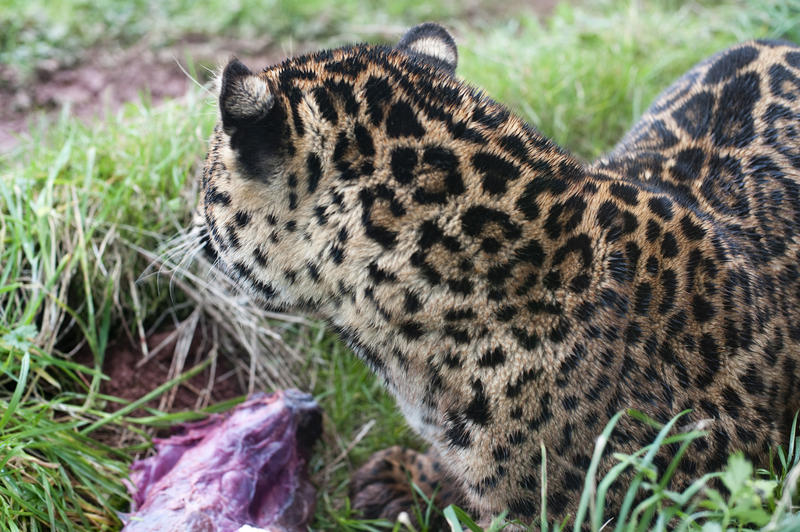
507,293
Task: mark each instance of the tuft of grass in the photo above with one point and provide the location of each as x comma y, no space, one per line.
754,500
64,258
80,213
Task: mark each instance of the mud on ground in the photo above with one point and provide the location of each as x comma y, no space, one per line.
101,81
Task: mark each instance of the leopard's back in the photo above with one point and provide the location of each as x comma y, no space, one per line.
723,143
724,140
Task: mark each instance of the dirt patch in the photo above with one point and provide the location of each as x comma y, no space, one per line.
133,373
104,80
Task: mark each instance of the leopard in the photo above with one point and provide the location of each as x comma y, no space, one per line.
511,297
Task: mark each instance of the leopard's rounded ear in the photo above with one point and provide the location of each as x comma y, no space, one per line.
244,98
431,43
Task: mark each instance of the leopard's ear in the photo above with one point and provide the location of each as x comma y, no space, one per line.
244,98
252,119
431,43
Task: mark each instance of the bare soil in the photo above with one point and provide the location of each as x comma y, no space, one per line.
133,374
103,80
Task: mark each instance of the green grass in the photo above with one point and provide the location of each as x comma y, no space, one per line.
755,500
583,76
36,30
65,250
84,207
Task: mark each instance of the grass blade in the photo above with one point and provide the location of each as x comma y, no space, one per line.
15,398
146,398
588,483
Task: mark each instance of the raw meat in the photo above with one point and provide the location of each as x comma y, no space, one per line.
246,467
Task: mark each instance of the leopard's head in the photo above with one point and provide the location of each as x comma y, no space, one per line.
307,184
